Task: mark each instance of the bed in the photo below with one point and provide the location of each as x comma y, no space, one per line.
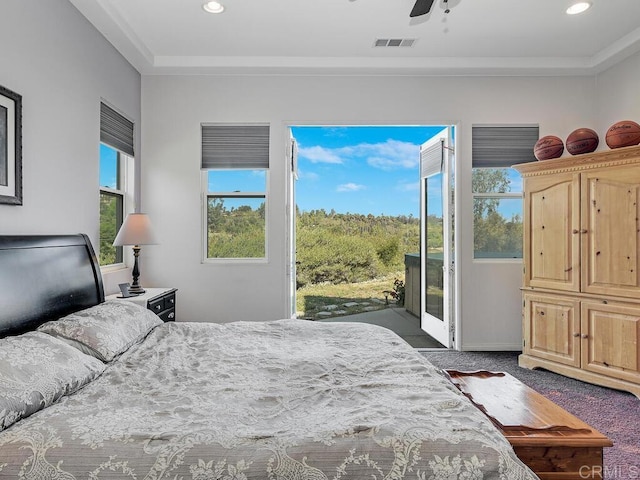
103,390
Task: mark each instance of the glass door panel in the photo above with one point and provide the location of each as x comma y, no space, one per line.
436,252
434,232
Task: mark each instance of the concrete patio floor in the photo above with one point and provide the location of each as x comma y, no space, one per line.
396,319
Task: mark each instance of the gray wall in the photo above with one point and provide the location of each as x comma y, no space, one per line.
618,95
62,67
174,107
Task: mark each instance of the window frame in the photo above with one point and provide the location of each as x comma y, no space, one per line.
125,165
500,146
499,196
206,194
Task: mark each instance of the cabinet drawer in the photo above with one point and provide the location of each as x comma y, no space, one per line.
168,315
157,305
164,306
169,301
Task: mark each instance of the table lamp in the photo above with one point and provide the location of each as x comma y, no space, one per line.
135,230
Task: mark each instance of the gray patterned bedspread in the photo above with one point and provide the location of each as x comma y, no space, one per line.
281,400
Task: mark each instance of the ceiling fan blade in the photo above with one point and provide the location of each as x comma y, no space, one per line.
421,7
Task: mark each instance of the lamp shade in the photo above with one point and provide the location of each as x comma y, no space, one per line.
135,230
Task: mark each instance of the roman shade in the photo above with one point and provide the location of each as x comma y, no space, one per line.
235,146
115,130
431,159
502,146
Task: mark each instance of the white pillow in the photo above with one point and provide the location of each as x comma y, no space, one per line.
36,370
107,329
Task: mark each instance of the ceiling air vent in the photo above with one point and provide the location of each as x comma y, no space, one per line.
394,42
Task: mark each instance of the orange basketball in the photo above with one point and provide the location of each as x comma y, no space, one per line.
548,147
623,134
582,140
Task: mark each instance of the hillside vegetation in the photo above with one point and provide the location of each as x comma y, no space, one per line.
344,247
349,248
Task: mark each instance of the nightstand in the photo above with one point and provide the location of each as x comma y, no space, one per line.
161,301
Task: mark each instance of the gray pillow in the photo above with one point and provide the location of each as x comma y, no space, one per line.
105,330
36,370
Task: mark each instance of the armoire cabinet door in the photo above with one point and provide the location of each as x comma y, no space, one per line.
610,335
552,328
551,232
610,213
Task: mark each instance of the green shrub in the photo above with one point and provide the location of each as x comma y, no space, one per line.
388,251
334,258
345,247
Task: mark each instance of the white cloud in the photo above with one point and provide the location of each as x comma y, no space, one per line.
389,155
337,131
318,154
408,186
307,175
350,187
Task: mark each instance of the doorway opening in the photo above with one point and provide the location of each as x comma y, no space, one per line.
362,212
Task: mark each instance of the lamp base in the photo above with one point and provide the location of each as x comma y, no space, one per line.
135,287
136,290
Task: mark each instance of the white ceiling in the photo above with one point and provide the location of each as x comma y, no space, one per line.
497,37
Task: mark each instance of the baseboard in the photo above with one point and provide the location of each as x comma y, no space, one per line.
491,347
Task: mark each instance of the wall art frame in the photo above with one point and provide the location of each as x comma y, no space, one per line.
10,147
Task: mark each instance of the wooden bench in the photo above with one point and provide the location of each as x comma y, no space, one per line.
548,439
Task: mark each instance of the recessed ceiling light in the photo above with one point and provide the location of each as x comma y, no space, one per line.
213,7
578,7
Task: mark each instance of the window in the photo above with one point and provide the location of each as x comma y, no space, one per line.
235,163
111,204
236,213
497,188
116,161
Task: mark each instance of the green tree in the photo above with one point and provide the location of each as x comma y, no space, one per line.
388,250
494,235
488,180
334,258
235,232
345,247
108,227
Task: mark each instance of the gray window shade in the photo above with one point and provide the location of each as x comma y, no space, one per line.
498,146
235,146
431,159
115,130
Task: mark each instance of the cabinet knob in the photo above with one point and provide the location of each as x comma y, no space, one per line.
171,301
584,335
575,230
576,334
172,315
584,230
157,307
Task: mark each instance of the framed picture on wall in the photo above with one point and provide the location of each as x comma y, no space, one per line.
10,147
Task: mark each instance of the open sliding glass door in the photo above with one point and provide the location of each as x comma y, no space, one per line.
436,243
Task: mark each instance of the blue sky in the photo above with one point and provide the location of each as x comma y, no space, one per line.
363,170
373,169
108,167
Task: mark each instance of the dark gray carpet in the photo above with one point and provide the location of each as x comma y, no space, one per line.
614,413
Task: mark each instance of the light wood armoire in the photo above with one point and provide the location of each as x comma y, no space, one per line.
581,287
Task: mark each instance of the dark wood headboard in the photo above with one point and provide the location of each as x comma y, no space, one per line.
44,277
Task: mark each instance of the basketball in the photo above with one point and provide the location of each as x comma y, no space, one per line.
548,147
623,134
582,140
